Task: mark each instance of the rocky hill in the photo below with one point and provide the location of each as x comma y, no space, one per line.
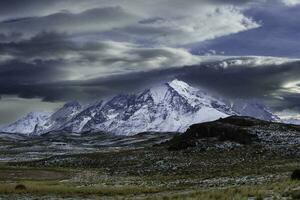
236,131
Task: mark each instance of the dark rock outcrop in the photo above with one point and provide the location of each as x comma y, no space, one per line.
233,129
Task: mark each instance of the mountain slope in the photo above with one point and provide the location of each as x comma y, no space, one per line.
292,121
169,107
59,118
27,124
253,108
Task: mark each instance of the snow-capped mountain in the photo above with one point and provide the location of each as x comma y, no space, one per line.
169,107
27,124
253,108
59,118
292,121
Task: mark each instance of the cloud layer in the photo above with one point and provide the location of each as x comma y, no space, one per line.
57,50
291,2
134,21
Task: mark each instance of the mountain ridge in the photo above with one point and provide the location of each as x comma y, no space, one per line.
169,107
236,131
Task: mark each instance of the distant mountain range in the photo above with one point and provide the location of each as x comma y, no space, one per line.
292,121
169,107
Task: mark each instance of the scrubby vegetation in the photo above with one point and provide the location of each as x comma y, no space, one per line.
296,174
156,173
144,167
279,189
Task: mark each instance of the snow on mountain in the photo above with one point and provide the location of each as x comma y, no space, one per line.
59,118
26,125
253,108
292,121
169,107
77,123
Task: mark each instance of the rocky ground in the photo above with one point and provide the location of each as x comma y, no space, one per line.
233,158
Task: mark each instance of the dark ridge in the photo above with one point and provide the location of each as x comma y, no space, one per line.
236,129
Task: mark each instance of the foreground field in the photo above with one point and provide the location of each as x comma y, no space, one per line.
99,166
281,189
156,173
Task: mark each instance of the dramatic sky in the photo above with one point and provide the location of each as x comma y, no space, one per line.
53,51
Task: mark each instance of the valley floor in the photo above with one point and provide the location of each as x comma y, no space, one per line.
139,170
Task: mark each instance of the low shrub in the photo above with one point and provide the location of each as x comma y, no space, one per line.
20,187
296,175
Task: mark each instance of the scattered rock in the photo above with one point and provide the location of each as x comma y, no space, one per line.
236,130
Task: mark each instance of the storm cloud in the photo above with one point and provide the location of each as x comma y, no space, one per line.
53,51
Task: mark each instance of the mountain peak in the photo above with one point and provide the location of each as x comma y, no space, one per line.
182,87
72,104
36,114
178,84
168,107
159,92
27,123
